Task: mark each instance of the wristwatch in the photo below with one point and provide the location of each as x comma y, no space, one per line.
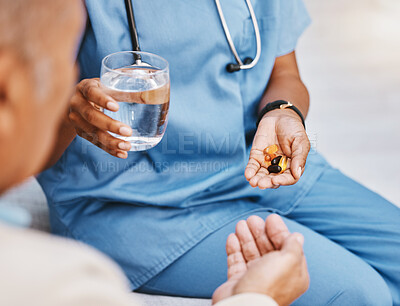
280,104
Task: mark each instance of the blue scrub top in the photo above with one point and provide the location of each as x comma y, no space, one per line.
150,209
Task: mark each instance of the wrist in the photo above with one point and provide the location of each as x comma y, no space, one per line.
277,113
247,287
284,107
272,118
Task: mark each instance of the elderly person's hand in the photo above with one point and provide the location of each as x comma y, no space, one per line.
265,258
284,128
90,122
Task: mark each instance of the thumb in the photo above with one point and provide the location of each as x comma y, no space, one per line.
300,149
294,244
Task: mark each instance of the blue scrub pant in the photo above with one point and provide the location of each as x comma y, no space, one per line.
352,246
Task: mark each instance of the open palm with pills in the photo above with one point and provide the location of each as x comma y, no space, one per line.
280,133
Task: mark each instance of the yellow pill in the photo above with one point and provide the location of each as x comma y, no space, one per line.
283,163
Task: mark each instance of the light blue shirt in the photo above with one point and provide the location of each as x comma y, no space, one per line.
193,182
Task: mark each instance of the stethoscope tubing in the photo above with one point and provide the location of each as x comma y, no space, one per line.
229,37
132,25
243,66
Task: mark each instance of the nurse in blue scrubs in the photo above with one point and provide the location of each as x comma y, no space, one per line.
167,211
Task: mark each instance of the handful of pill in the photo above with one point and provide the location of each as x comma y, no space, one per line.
277,163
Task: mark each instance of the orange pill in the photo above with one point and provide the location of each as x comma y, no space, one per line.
267,158
271,149
272,156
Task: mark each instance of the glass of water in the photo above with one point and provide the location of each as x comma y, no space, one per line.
139,82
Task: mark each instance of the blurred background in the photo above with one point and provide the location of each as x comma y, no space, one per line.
350,61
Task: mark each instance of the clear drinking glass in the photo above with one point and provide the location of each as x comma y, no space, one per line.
139,82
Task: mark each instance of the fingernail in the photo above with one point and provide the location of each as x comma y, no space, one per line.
124,146
125,131
112,106
300,239
299,171
121,155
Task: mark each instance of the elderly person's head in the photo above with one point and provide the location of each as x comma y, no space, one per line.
38,42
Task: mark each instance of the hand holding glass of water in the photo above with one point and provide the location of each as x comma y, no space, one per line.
139,82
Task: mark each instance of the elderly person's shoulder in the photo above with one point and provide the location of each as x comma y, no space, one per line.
48,270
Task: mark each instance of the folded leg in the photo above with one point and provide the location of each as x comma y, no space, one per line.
337,276
359,220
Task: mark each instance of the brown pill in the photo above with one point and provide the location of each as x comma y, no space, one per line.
276,160
274,169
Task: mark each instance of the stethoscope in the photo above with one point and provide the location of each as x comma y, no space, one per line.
248,63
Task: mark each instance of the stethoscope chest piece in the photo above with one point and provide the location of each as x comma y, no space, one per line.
236,67
248,63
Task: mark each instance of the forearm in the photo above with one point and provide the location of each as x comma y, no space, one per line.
285,84
65,134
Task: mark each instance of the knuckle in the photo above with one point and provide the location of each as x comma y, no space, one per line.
82,84
113,142
72,116
74,101
86,86
86,135
112,125
93,137
233,259
88,114
108,140
234,270
97,135
91,91
251,254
